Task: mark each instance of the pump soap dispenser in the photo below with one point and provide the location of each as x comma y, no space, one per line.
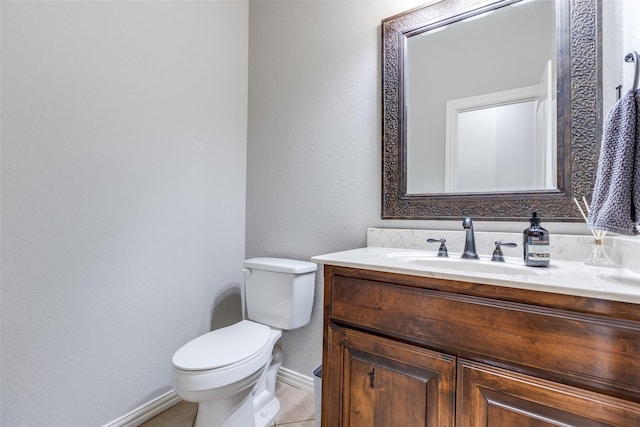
537,251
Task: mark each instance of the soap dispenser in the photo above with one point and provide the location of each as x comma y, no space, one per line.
537,251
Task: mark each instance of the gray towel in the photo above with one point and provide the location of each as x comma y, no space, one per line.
616,196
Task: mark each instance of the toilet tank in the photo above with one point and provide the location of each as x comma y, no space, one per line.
279,292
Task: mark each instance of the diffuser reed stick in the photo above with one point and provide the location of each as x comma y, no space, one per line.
598,234
598,255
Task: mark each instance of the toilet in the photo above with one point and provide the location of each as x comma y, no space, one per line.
231,372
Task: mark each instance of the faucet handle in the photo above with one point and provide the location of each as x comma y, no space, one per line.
442,251
497,252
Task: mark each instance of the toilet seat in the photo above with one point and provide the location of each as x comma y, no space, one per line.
195,378
223,347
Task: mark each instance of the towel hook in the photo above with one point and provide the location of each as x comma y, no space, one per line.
633,57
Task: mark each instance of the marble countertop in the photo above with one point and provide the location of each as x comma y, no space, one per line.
563,277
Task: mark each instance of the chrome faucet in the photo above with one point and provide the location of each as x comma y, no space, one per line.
469,241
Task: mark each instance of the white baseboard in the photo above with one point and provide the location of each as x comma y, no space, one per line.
160,404
295,379
147,411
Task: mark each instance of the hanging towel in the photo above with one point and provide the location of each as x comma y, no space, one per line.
616,196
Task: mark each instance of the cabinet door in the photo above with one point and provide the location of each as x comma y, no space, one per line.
488,396
373,381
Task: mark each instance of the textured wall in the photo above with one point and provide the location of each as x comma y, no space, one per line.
313,180
123,197
619,25
631,36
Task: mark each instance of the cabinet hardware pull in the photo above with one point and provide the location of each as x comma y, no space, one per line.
372,375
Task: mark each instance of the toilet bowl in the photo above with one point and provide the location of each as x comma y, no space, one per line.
231,372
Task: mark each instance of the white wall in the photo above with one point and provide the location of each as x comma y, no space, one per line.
631,37
314,148
123,197
612,48
620,18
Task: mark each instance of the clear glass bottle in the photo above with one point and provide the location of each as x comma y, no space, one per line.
537,251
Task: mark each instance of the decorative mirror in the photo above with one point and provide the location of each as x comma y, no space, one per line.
491,109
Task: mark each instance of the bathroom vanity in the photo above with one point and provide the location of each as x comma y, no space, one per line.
412,340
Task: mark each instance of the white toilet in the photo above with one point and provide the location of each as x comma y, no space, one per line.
231,372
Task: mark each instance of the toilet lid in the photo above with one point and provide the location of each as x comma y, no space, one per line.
223,347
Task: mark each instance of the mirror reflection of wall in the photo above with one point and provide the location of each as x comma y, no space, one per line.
504,50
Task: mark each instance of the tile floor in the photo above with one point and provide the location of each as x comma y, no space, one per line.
297,409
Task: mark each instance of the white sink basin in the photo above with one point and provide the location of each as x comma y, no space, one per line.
456,264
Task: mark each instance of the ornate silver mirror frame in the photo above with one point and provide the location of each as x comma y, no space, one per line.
578,126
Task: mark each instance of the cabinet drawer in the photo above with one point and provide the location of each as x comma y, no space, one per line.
593,351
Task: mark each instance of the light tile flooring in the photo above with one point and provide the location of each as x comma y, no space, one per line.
297,409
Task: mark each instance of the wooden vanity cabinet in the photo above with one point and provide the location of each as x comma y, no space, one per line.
404,350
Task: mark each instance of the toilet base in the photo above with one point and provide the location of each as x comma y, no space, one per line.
256,408
228,409
267,415
265,403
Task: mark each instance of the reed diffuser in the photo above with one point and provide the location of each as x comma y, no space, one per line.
601,254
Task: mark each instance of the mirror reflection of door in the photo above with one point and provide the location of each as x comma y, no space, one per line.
492,149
